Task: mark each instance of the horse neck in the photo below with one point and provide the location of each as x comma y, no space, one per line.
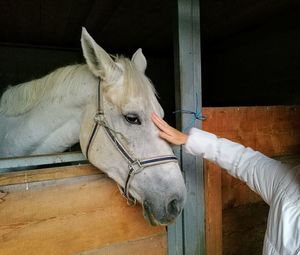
81,90
70,103
55,120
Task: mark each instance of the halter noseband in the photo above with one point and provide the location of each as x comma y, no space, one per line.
135,165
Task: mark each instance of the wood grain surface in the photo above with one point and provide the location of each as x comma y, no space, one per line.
76,210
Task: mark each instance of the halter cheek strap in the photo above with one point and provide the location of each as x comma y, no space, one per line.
135,165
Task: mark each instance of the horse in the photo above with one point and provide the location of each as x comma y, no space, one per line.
105,104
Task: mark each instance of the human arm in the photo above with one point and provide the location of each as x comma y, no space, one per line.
262,174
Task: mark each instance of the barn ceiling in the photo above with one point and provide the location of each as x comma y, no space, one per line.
221,19
123,24
117,24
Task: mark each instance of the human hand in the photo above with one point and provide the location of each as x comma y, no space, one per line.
167,132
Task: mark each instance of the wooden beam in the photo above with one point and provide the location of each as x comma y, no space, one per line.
47,174
272,130
151,246
213,209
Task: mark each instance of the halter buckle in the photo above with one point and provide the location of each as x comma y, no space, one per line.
135,167
100,118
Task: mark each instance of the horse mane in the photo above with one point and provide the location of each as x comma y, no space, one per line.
19,99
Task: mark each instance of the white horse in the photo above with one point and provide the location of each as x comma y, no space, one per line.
52,113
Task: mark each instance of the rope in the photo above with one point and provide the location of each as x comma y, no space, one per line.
197,116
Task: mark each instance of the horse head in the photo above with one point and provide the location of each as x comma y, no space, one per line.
127,100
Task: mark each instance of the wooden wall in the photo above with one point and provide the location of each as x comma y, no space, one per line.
235,215
71,210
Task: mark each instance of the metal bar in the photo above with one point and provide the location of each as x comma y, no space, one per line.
188,87
17,163
175,231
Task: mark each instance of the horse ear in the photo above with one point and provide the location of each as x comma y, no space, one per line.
99,62
139,60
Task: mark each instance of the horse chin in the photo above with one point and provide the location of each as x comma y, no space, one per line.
150,217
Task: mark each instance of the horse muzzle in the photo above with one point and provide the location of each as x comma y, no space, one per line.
162,215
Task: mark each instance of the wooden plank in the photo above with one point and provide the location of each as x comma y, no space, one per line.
236,193
68,216
213,208
53,173
151,246
273,130
244,228
292,160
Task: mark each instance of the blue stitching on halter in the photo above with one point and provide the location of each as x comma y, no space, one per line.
196,115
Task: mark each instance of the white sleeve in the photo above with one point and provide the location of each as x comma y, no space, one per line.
262,174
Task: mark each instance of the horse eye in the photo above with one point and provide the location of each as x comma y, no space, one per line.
132,119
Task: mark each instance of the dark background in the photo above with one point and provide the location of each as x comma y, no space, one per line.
250,48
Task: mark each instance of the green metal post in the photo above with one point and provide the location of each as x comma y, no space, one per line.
186,237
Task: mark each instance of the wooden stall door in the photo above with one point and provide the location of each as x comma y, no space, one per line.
71,210
235,215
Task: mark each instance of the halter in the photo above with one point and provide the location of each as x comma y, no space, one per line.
135,165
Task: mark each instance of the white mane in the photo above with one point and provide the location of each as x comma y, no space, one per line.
22,98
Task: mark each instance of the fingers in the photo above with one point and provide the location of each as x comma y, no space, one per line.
158,122
166,137
177,138
161,124
167,132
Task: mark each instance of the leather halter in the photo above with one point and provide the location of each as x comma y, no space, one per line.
135,165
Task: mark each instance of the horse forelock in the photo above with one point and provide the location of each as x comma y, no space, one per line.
135,84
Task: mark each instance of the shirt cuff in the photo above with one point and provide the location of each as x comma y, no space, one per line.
202,143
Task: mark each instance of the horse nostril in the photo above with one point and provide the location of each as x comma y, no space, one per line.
146,205
172,208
